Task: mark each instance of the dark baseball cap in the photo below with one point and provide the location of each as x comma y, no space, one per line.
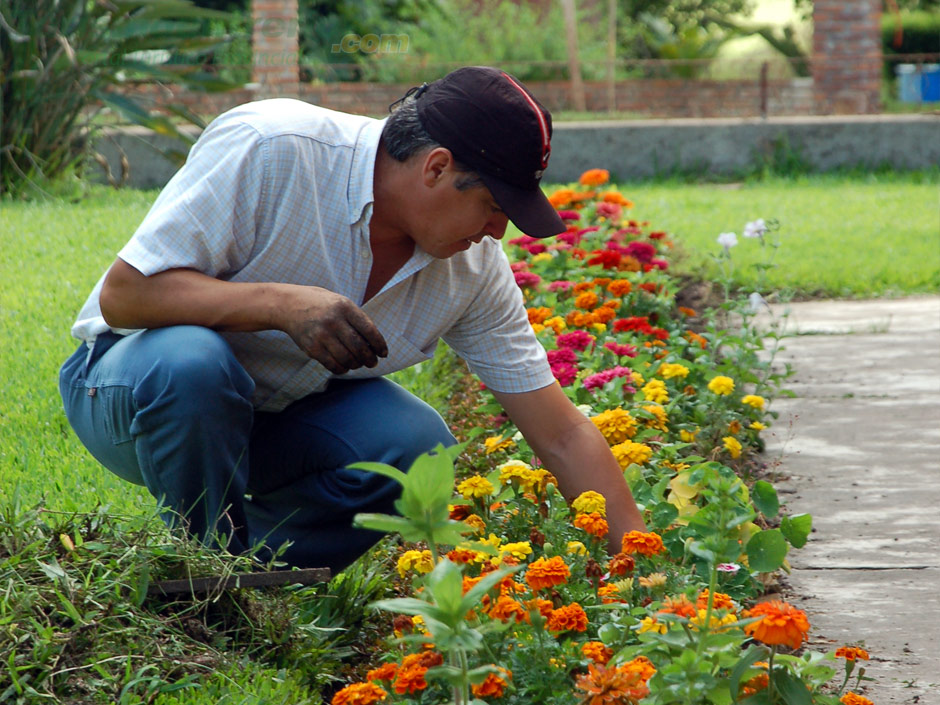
493,125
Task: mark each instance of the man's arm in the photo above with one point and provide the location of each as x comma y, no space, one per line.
576,452
329,327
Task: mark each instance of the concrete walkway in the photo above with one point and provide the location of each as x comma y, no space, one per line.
859,449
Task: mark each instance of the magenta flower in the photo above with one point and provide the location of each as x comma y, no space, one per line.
642,251
599,379
564,373
527,279
609,210
560,285
569,215
622,349
576,340
562,355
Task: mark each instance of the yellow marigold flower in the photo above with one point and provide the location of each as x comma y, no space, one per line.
527,478
653,581
646,543
497,443
649,624
590,502
594,177
655,391
851,698
637,379
720,601
851,653
577,548
668,370
587,300
542,257
537,327
617,425
716,623
492,540
733,446
757,426
754,400
419,561
659,417
599,327
556,323
475,487
721,385
628,453
688,436
518,549
476,522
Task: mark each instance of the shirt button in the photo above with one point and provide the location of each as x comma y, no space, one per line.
364,254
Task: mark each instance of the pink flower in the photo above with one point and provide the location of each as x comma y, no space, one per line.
601,378
527,279
642,251
660,264
609,210
576,339
570,237
519,266
569,215
564,373
560,285
592,229
562,355
622,349
728,567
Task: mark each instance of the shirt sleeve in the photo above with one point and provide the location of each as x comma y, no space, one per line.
494,336
204,219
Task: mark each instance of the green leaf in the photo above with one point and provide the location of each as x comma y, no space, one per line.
663,515
381,522
765,498
766,551
749,657
382,469
792,689
445,583
797,528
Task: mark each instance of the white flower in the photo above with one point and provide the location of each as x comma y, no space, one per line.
517,436
586,410
728,567
756,228
756,302
727,240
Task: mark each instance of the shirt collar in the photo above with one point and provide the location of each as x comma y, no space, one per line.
360,191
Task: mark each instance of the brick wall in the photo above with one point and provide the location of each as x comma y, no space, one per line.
847,56
648,97
274,37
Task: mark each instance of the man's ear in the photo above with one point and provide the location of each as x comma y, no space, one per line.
437,163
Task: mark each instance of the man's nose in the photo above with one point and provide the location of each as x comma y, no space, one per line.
496,226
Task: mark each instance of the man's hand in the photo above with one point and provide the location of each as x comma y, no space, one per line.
332,330
327,326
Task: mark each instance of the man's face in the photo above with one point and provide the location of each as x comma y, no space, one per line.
451,219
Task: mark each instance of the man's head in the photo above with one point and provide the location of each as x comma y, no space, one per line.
496,132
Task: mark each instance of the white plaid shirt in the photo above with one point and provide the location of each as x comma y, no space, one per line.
281,191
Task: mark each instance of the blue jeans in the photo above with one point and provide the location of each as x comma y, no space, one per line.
170,409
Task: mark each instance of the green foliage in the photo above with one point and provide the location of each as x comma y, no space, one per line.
690,46
918,32
61,61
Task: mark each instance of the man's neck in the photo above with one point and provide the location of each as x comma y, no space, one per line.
388,226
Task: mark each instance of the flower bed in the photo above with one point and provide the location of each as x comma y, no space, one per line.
515,595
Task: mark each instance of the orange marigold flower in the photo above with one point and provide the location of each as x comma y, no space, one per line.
459,512
582,286
604,314
680,606
720,601
385,672
506,609
539,314
688,311
851,653
611,686
359,694
594,177
620,287
568,618
755,684
851,698
543,607
601,281
597,652
781,624
593,523
644,543
461,555
587,300
642,666
621,564
608,594
561,197
616,197
545,573
697,339
493,686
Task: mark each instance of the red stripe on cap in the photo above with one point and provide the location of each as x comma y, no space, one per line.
543,125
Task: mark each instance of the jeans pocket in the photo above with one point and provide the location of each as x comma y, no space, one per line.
117,406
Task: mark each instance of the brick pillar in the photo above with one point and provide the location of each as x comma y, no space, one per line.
847,56
275,30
